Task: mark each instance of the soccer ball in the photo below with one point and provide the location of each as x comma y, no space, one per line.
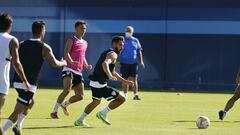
202,122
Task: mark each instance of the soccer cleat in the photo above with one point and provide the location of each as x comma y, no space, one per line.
16,130
136,97
221,114
65,110
103,117
81,124
54,115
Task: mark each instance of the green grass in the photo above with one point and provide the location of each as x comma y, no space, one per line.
159,113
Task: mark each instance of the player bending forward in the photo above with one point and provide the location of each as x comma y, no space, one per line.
104,70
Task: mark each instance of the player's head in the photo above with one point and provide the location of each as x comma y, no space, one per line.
5,22
129,31
80,27
38,29
118,43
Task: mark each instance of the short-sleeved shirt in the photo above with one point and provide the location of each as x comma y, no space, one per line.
129,53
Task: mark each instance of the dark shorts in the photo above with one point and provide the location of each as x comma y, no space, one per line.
107,92
76,79
129,70
24,97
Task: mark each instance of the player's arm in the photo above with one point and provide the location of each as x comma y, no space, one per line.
85,63
47,52
140,55
110,58
238,77
13,47
67,50
119,78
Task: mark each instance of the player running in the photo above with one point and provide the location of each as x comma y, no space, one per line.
103,71
74,54
32,53
232,100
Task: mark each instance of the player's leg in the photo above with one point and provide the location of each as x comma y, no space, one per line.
78,87
88,109
96,96
230,103
135,87
67,85
23,102
124,73
2,101
22,116
118,99
133,76
19,108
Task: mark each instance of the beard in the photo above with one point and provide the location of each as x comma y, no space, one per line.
117,51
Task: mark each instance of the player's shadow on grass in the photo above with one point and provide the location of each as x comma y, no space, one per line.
55,127
36,118
190,121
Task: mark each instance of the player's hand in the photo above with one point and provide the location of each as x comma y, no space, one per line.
113,78
64,62
89,67
142,65
118,65
27,85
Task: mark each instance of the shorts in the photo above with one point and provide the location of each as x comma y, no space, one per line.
107,92
24,97
76,79
129,70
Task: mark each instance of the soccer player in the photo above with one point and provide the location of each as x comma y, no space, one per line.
128,61
232,100
8,53
32,53
103,71
74,54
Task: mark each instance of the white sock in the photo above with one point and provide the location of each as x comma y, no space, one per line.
66,103
105,110
135,94
20,120
7,125
126,95
55,109
82,117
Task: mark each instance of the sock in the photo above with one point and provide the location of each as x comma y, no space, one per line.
135,94
126,95
57,105
7,125
66,103
20,120
105,110
82,117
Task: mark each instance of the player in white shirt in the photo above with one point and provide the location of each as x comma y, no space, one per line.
8,54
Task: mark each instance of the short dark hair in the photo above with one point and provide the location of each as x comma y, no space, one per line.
5,21
116,39
80,22
37,27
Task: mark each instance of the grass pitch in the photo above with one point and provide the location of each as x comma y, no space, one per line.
158,113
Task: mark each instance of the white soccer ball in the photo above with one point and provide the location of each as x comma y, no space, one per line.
202,122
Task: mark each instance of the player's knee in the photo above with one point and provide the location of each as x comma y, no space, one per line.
96,102
122,99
